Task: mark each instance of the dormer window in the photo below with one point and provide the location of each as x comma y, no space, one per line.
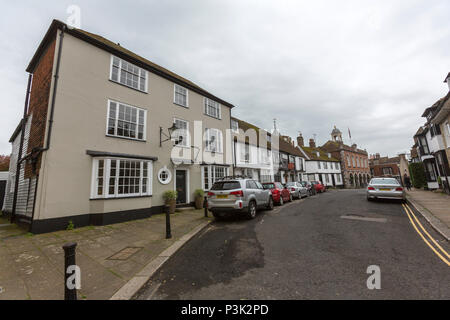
318,153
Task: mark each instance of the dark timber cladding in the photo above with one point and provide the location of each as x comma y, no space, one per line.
120,52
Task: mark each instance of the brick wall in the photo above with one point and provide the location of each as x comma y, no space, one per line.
39,99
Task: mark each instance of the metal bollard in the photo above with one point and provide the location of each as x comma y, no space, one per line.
205,205
168,229
69,260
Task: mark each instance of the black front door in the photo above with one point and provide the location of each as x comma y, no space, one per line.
181,186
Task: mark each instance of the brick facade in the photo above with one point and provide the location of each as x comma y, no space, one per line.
39,100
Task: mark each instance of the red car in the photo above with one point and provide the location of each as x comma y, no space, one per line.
280,194
319,186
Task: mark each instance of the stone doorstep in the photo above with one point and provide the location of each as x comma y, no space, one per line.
136,283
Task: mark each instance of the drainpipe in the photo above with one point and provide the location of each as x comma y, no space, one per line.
19,156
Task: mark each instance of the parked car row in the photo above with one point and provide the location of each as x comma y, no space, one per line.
232,195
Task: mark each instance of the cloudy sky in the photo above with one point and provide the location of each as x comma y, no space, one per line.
371,66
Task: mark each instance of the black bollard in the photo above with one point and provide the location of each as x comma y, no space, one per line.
69,260
205,205
168,229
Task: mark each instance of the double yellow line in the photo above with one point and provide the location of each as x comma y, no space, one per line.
444,253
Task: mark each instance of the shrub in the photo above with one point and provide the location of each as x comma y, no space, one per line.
170,195
199,193
417,172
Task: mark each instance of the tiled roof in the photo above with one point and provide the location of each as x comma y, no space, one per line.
336,146
323,155
121,52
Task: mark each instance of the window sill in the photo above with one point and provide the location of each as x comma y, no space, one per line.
180,105
124,85
212,116
125,138
120,198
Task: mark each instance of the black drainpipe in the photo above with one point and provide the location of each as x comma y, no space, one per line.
50,125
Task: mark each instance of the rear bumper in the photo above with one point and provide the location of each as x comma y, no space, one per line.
386,195
236,206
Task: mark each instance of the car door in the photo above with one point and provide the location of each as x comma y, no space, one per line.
253,191
264,194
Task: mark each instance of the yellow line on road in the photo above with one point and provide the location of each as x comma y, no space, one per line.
425,240
421,226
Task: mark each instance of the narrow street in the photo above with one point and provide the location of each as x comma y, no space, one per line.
316,248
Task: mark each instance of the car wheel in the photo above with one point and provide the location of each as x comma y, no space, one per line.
291,198
369,199
251,210
281,201
270,204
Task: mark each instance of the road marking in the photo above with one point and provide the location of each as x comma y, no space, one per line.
423,237
429,236
350,217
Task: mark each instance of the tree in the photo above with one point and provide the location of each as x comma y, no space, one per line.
4,163
417,172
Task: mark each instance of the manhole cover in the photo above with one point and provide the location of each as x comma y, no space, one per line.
124,254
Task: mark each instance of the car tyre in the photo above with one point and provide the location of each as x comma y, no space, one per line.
251,210
270,204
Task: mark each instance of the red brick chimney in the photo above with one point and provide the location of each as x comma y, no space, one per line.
312,143
300,140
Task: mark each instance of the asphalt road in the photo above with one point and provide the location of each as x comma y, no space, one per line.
306,250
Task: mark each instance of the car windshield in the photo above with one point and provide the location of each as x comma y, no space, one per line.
384,181
226,185
268,186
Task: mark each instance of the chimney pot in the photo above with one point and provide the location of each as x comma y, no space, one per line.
312,143
300,141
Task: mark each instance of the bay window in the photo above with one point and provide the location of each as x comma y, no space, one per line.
116,178
211,174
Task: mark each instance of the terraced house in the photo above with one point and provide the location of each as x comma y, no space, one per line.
320,165
106,132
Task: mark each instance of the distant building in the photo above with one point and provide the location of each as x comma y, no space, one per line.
354,161
395,167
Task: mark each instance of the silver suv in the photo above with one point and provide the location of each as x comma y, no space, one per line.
238,195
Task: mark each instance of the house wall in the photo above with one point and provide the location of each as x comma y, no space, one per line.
80,122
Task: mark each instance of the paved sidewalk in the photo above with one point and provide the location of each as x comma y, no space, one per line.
435,206
32,266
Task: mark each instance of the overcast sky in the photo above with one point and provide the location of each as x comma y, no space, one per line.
371,66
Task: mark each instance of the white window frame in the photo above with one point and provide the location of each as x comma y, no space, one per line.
216,105
106,178
236,130
175,94
116,124
187,141
120,68
212,175
218,142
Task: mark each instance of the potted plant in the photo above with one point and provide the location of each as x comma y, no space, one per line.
199,195
170,199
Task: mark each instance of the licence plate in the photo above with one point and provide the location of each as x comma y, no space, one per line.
222,196
384,189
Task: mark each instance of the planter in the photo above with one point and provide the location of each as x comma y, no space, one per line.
171,206
199,202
